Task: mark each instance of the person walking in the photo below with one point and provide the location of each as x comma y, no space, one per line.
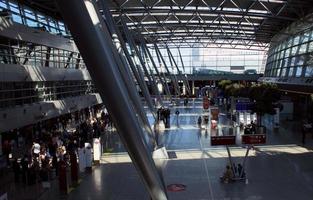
199,121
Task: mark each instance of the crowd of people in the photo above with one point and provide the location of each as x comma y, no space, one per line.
45,146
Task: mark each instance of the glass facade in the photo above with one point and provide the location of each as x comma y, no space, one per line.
214,59
293,57
27,16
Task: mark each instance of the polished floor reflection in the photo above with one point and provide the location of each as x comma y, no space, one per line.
280,170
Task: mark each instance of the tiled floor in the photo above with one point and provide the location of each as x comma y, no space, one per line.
280,170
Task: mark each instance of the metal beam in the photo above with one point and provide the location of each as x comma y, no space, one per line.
173,75
190,10
135,52
126,74
183,65
142,62
176,89
179,72
141,83
96,48
152,74
163,82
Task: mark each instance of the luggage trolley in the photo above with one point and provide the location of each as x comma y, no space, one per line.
248,140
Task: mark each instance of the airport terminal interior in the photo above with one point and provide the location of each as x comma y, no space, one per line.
156,99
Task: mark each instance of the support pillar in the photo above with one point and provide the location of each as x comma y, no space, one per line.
132,45
163,82
183,78
174,83
95,47
126,75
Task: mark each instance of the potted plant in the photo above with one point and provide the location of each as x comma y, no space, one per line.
264,97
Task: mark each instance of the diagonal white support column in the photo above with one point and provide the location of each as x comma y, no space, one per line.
95,46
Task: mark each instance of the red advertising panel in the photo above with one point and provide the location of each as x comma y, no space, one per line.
223,140
253,139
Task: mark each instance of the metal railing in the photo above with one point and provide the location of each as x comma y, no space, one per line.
39,56
32,93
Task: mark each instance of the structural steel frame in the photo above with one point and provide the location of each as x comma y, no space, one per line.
242,24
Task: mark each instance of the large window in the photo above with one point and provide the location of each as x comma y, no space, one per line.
290,72
309,71
291,57
303,48
283,72
299,71
204,59
27,16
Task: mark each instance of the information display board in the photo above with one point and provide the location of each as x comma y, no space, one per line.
253,139
223,140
